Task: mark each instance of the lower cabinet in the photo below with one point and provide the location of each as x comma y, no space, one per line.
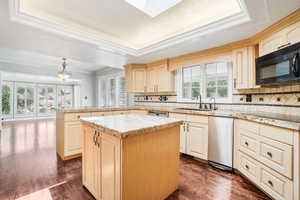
101,164
193,135
276,185
197,141
269,157
182,138
73,141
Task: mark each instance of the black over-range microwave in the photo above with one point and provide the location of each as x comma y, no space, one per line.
279,67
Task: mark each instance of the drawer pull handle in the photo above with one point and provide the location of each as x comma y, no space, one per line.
246,143
269,154
270,183
78,116
285,45
94,137
247,167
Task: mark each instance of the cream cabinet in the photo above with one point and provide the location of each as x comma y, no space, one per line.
136,78
193,135
153,77
73,138
159,78
244,68
268,156
183,138
69,134
101,164
139,80
279,40
197,140
91,162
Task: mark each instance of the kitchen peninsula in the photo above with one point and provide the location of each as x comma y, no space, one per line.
130,156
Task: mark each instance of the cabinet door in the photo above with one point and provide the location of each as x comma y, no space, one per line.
197,141
73,138
244,68
271,44
292,34
111,168
139,80
151,79
240,68
89,161
163,79
182,139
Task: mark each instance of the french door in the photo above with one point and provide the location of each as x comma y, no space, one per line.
65,96
46,99
25,100
7,99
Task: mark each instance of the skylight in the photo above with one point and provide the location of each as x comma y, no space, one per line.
153,8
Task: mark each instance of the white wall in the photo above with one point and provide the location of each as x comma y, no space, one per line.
85,81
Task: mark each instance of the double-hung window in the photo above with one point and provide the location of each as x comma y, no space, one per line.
217,79
191,85
207,80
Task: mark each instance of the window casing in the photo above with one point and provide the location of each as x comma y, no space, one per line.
209,80
112,91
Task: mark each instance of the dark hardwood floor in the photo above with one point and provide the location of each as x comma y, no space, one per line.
31,170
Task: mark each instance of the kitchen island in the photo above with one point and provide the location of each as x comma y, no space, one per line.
130,156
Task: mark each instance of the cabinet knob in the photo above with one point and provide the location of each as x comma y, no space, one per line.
246,143
78,116
247,167
269,154
270,183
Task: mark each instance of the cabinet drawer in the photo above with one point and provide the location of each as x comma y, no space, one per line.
177,116
141,112
197,119
249,167
249,144
249,126
99,114
277,156
279,134
120,112
276,185
75,116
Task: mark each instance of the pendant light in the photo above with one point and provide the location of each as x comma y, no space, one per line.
64,75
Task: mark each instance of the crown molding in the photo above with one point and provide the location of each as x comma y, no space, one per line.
60,29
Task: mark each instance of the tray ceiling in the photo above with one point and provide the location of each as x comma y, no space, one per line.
117,26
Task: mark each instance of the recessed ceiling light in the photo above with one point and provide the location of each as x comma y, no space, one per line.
153,7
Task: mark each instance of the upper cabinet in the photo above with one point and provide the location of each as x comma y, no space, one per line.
136,78
279,40
159,78
244,68
153,77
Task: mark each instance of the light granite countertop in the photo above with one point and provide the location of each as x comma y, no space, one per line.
279,120
124,125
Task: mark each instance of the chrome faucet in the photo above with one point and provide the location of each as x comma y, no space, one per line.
200,102
214,103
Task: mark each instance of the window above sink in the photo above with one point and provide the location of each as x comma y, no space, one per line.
208,80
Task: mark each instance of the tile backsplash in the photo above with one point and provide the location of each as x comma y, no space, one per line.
283,100
283,95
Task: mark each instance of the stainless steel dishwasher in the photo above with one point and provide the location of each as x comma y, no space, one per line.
220,142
